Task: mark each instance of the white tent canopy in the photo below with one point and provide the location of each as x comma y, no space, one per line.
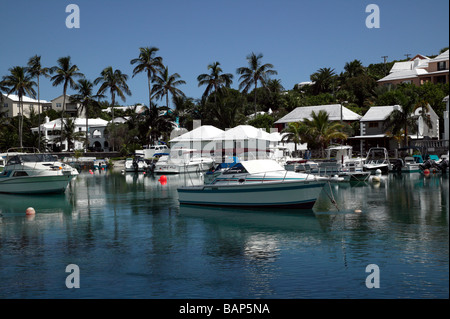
244,132
201,133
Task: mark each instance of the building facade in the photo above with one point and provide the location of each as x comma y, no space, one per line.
11,105
419,70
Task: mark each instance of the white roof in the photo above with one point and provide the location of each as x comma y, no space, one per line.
441,57
80,122
202,133
139,108
261,166
25,99
404,74
243,132
379,113
333,110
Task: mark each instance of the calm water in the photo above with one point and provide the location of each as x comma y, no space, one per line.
131,239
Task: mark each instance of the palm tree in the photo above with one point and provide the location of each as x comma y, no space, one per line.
36,70
254,73
68,133
87,99
19,81
295,132
323,80
353,68
402,119
116,82
165,84
322,131
65,74
147,62
214,80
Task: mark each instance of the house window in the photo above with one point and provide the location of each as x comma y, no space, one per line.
441,66
58,104
5,105
373,124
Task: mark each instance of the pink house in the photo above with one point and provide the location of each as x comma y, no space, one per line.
419,70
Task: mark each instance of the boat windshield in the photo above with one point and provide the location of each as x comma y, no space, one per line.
238,168
31,158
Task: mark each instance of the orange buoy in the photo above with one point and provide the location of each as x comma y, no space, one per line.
426,171
30,211
163,179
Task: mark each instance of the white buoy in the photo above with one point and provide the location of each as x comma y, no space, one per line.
378,172
30,211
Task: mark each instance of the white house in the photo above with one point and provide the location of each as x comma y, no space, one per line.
336,112
373,131
11,105
71,109
96,133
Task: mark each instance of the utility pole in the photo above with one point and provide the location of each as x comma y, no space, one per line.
407,56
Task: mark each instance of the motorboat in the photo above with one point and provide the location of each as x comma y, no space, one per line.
35,173
407,163
440,165
137,164
100,164
339,163
183,160
153,151
256,183
377,159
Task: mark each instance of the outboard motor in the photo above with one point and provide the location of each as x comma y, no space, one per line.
443,165
426,165
397,166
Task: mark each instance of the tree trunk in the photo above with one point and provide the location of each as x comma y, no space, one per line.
39,115
62,115
256,83
20,121
87,138
113,124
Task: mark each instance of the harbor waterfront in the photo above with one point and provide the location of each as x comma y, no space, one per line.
130,238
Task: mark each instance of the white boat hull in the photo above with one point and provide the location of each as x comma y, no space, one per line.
181,169
372,168
290,194
36,184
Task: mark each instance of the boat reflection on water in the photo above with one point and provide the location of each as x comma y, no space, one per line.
260,219
16,204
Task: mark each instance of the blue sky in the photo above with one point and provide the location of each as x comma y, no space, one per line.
298,37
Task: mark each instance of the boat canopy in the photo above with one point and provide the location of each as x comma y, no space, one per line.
261,166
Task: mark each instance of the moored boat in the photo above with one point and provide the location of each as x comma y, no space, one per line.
183,161
35,173
137,164
377,159
256,183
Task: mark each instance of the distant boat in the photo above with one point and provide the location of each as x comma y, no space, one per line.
409,163
100,164
256,183
183,161
339,163
35,173
377,159
137,164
